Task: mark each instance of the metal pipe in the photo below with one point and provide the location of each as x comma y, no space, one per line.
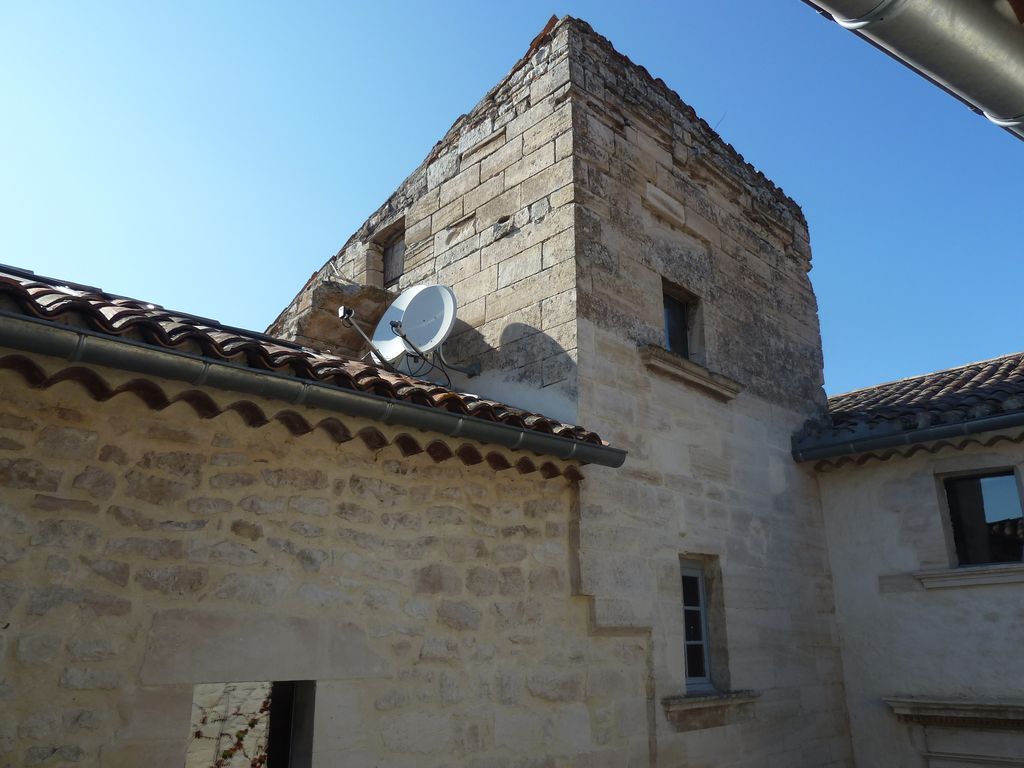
82,345
972,48
831,448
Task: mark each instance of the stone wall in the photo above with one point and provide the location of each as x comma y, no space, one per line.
661,198
489,213
886,521
642,193
146,551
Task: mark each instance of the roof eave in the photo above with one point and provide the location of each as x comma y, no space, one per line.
85,346
805,449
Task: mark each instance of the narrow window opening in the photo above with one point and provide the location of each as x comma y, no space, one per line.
986,517
394,257
695,630
677,333
683,323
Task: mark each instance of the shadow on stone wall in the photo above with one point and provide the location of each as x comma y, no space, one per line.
526,368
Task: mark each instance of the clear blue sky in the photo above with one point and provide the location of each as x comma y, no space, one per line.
210,156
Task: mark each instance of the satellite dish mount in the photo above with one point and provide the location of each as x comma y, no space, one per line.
412,331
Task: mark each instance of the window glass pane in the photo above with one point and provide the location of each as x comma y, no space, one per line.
986,518
676,331
691,591
695,661
694,624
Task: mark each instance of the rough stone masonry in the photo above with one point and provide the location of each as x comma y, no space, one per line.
560,210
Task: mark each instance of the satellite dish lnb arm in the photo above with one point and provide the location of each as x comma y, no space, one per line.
347,317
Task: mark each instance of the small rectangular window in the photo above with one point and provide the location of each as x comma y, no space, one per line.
684,323
695,629
985,512
677,325
394,258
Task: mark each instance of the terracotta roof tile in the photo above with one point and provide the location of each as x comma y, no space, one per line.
953,396
119,316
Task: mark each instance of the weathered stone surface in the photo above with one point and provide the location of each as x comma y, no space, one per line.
261,590
247,530
83,719
481,581
44,599
37,649
458,614
113,571
149,549
65,753
231,552
130,518
154,490
171,579
260,505
415,733
38,726
186,644
10,552
232,480
57,504
28,473
97,482
67,443
88,679
555,685
302,479
97,649
208,506
114,455
65,534
309,505
177,463
437,579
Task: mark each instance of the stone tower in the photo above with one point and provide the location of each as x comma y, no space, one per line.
617,264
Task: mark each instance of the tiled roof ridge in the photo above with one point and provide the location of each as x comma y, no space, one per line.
922,376
673,96
119,317
981,396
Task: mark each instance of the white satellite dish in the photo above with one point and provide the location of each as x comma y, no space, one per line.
418,321
414,326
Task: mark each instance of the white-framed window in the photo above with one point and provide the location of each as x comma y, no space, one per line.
696,635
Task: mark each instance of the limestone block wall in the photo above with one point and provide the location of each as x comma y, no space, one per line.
886,520
489,213
145,551
661,198
639,191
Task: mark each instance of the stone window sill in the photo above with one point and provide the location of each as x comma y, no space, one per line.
660,360
709,710
959,713
972,576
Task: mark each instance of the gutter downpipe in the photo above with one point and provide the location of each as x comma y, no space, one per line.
967,48
928,434
85,346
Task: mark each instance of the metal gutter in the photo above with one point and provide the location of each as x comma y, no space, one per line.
972,49
85,346
831,448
